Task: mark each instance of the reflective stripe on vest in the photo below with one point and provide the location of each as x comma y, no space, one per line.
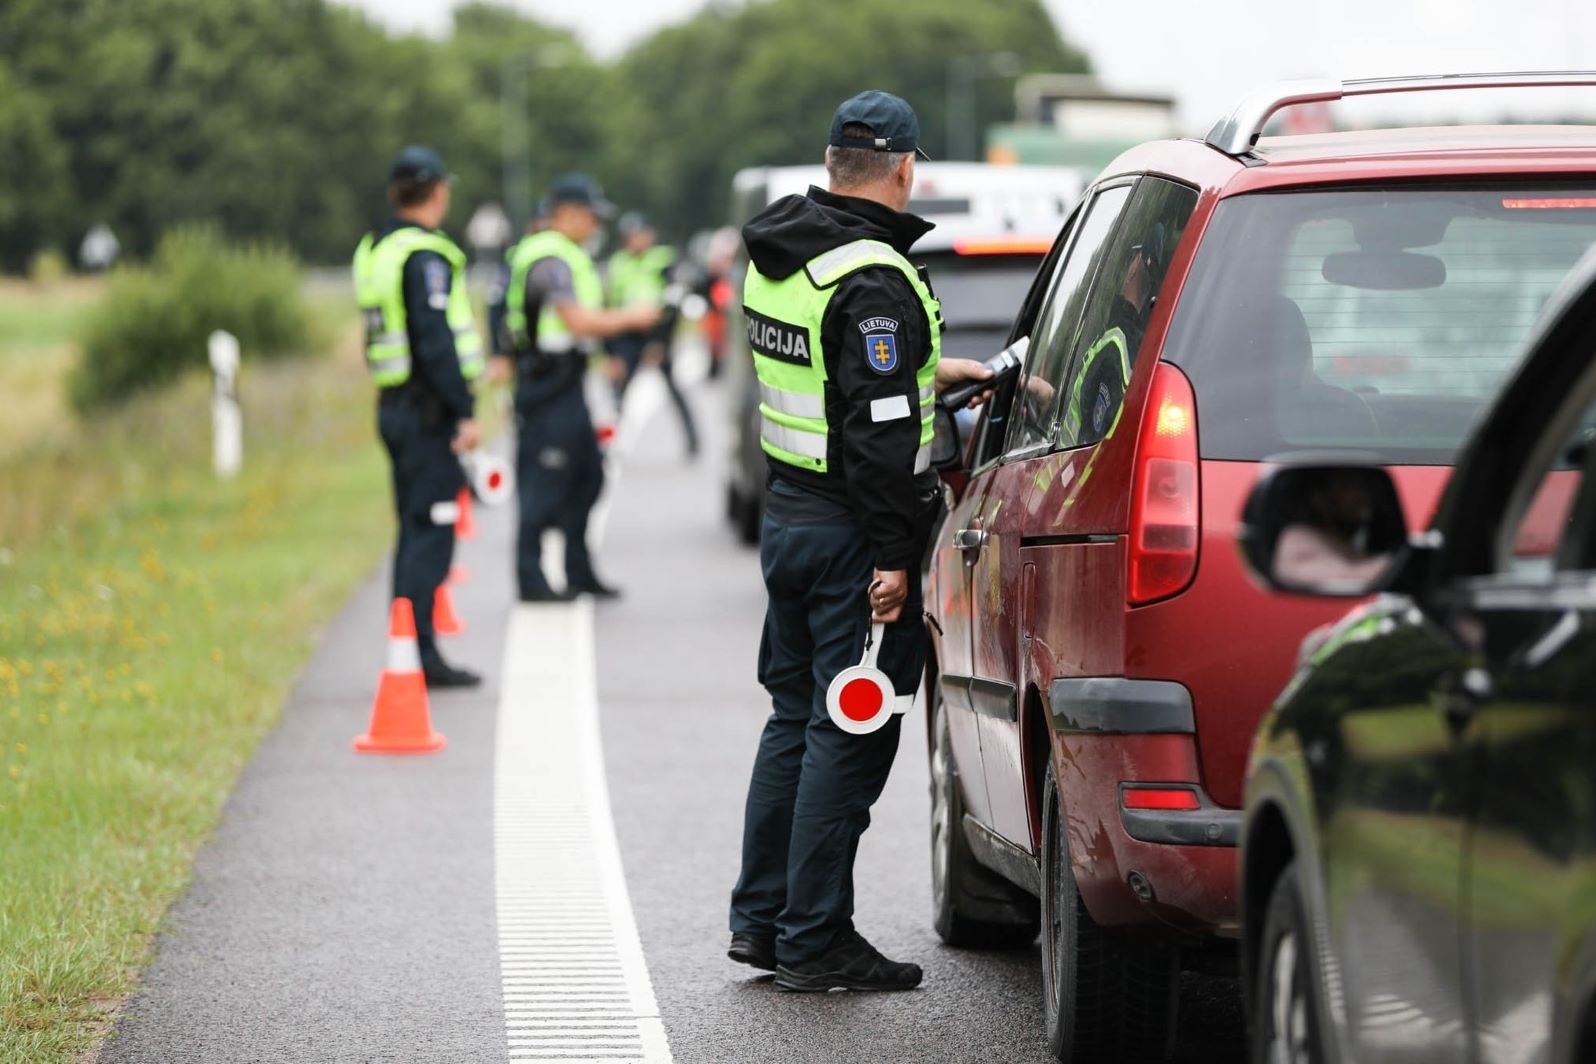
1072,411
552,335
783,321
378,269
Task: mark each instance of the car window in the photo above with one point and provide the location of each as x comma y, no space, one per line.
1377,320
990,424
1555,532
1031,418
1109,338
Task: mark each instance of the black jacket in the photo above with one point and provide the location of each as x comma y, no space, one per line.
871,457
435,365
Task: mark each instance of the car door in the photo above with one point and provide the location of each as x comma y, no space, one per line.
1530,874
952,609
990,538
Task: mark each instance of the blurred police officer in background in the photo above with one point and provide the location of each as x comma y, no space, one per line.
637,275
846,339
423,351
553,315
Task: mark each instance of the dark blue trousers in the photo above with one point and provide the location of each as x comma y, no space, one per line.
560,475
813,784
425,472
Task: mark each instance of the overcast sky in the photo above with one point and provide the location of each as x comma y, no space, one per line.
1207,52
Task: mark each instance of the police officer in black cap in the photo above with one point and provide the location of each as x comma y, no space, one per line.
553,315
423,351
846,340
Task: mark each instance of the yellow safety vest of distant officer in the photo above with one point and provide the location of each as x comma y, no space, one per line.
639,275
423,351
846,341
552,313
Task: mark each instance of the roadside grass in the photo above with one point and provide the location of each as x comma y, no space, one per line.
36,324
151,622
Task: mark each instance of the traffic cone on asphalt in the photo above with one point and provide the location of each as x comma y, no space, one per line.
444,620
465,526
401,722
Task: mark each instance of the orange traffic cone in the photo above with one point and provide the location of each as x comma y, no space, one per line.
444,620
401,723
459,575
465,526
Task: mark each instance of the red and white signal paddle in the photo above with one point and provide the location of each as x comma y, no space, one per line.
861,699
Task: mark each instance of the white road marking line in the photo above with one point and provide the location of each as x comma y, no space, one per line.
574,978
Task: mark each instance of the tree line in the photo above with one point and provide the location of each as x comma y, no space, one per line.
275,119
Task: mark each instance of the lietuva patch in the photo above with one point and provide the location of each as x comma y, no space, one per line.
777,339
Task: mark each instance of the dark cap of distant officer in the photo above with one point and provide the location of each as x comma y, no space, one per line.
632,222
580,189
420,165
889,118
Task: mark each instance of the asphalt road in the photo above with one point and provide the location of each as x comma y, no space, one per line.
344,910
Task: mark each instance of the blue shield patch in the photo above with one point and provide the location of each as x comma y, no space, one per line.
881,351
1100,408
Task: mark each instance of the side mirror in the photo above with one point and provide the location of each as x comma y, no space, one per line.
1331,530
947,441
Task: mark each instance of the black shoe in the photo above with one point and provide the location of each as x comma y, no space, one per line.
851,964
440,674
597,588
756,951
547,594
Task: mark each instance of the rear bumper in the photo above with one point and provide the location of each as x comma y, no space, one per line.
1140,867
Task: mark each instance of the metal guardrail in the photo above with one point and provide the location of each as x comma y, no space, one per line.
1238,132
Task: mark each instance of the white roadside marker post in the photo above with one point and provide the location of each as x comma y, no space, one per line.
227,419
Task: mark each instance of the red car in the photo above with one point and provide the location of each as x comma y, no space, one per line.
1101,657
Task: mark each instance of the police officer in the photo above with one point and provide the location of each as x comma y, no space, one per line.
846,340
639,274
423,351
553,315
1099,390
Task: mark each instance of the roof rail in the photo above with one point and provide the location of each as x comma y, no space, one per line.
1238,132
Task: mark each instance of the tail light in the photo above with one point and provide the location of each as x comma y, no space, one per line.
1163,520
1177,799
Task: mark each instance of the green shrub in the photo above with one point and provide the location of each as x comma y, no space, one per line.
151,325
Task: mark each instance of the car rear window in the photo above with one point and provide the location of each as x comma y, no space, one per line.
1380,320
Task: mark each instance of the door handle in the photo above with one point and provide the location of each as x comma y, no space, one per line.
969,539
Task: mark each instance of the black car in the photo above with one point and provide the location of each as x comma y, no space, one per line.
1419,843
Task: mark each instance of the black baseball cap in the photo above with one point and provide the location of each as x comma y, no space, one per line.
889,117
419,164
579,188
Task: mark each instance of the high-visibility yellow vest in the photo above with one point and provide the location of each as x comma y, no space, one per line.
552,335
1112,345
379,271
784,319
638,279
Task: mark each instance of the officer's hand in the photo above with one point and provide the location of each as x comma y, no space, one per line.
951,371
888,590
500,370
466,437
643,317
